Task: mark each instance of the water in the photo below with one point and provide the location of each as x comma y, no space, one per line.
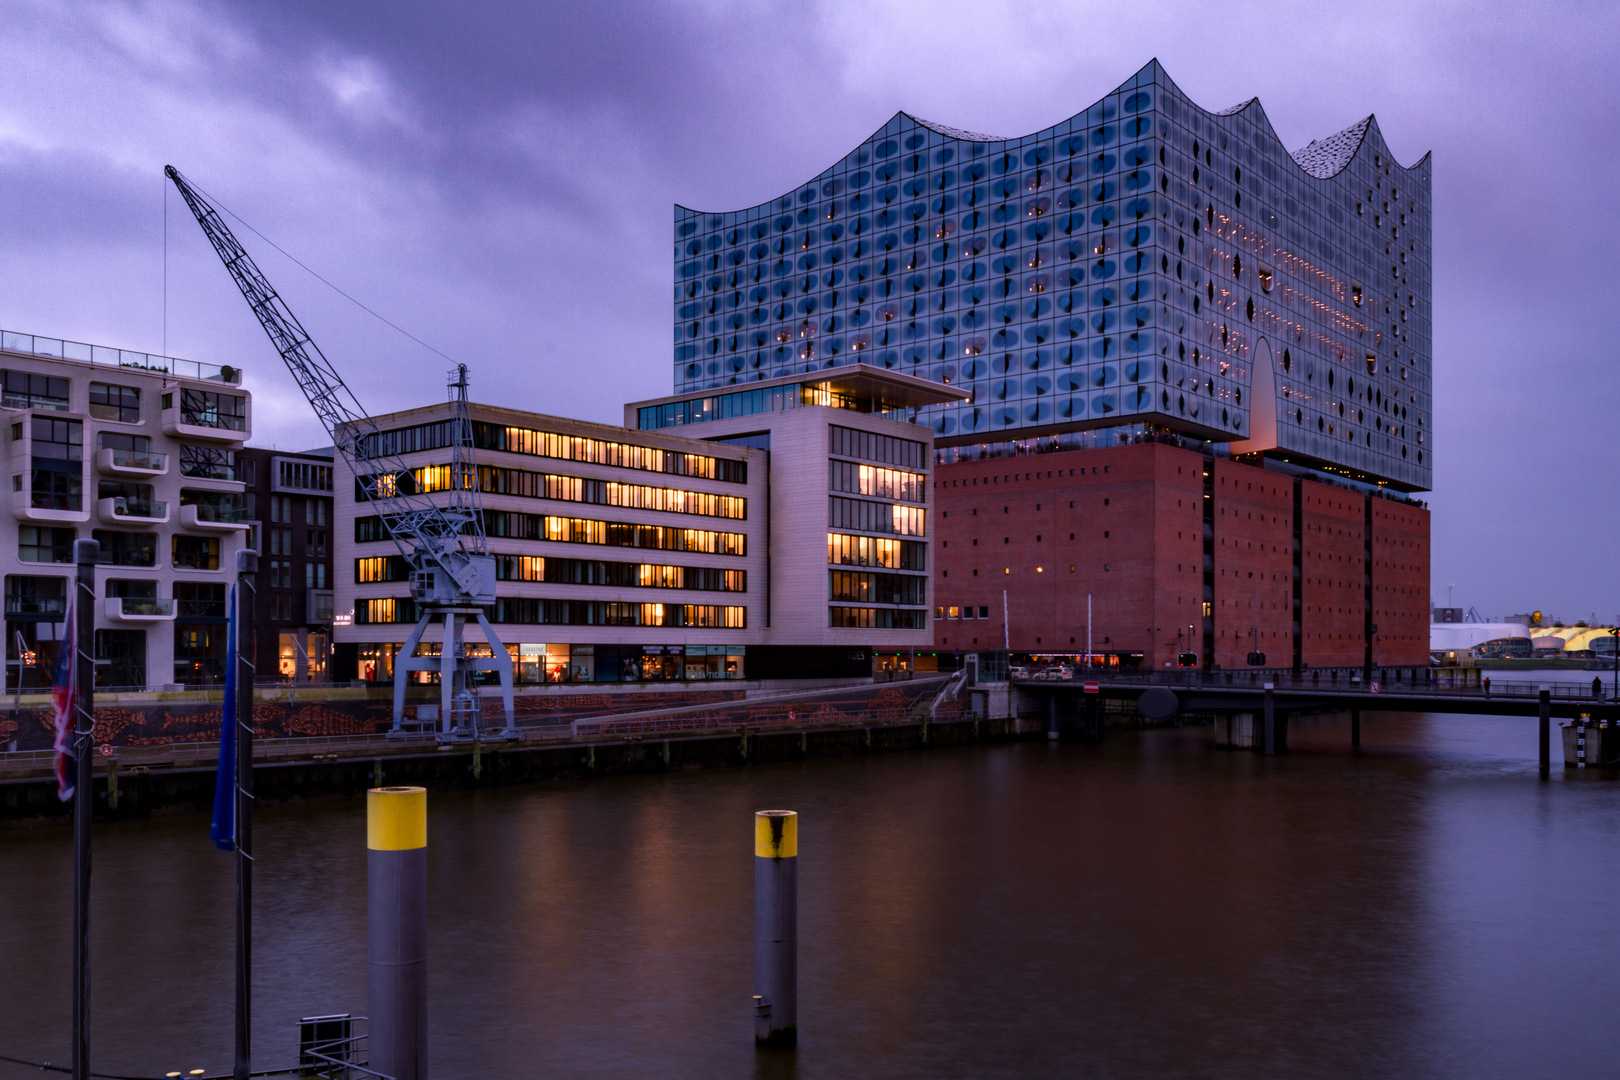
1429,908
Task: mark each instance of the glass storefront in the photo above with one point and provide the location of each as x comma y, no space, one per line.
535,663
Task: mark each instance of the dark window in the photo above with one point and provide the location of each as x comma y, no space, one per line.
205,408
208,463
58,455
36,599
195,552
25,390
41,544
121,657
126,548
199,600
199,653
109,402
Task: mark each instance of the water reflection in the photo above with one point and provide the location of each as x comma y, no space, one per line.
1425,908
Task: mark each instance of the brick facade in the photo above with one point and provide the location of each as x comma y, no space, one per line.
1125,525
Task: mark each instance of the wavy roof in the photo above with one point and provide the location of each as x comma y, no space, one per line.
1324,157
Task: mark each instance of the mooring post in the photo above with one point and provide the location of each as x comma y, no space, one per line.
1051,718
1545,733
86,554
1355,727
1271,722
776,928
396,930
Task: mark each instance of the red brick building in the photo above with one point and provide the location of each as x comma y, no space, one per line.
1171,546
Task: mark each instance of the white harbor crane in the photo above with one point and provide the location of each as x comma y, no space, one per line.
442,541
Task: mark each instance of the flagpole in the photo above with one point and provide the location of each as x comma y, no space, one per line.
247,566
82,641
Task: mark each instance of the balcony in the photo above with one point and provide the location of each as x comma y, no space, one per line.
57,509
138,609
213,518
126,511
318,604
111,462
226,421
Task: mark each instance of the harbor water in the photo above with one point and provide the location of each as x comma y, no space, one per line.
1428,907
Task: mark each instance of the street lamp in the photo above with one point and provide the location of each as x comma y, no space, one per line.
1615,633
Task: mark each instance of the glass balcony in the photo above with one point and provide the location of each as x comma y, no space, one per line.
139,609
123,510
131,462
101,355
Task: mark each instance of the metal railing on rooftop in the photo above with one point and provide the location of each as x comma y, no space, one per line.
102,355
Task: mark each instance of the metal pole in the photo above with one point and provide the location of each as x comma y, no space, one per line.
86,553
776,928
247,567
1271,723
1088,631
396,930
1545,733
1006,626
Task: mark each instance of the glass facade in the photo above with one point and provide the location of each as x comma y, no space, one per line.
1145,264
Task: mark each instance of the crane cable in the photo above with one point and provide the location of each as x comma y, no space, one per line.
295,260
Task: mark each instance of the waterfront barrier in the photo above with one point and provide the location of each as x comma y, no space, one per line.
776,928
396,930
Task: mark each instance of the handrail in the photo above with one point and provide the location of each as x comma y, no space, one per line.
104,356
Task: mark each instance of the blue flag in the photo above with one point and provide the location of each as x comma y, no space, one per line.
223,829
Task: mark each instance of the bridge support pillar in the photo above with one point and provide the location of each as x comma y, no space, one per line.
1052,718
1270,722
1545,733
1236,731
1355,728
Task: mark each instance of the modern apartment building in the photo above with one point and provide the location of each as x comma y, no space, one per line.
289,505
140,453
1145,275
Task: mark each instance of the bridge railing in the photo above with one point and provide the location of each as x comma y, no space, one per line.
1408,681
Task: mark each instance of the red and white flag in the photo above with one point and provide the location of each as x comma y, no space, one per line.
64,702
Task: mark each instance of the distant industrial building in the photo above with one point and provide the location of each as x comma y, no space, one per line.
1195,369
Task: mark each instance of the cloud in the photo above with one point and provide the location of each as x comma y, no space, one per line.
499,179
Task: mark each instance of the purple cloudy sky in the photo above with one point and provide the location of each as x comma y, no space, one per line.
498,179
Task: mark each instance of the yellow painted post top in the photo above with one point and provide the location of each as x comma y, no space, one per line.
776,834
396,818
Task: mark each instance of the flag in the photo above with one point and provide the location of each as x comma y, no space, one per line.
64,703
223,828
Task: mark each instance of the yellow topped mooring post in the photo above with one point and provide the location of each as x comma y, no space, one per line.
396,930
776,928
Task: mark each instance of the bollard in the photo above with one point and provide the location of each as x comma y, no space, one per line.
1546,726
1271,722
396,930
776,932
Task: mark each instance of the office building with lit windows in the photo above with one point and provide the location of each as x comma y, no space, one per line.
138,452
693,543
1147,290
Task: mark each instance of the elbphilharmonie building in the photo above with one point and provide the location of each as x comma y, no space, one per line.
1146,268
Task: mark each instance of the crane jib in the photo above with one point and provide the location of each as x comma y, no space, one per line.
452,573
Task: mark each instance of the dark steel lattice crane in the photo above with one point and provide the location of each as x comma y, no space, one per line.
442,541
